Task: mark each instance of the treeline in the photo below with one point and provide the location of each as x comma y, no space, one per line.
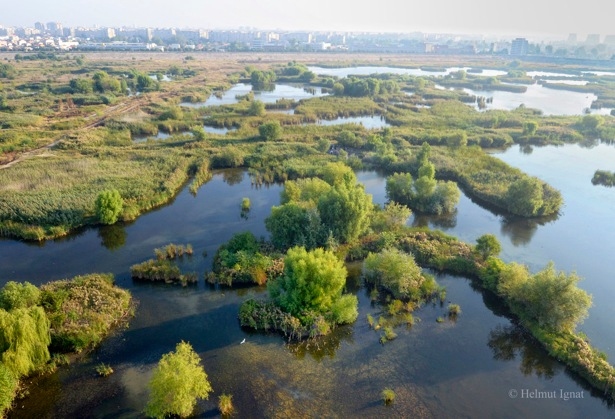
370,86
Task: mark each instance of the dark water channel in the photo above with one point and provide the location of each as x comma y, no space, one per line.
471,367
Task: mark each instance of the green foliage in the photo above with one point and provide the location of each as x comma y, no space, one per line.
294,224
388,396
245,204
390,219
199,133
225,404
24,338
270,131
104,370
257,108
173,251
591,122
345,211
530,127
7,71
454,310
109,205
260,79
354,86
306,191
82,86
396,272
83,310
104,83
604,177
525,197
177,383
488,245
550,298
312,281
15,295
9,384
425,194
241,260
161,270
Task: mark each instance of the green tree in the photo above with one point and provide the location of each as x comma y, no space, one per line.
553,299
487,245
345,211
395,271
391,218
257,108
24,338
81,86
199,133
525,197
9,385
306,191
15,295
592,122
270,131
7,71
295,225
338,89
109,205
550,298
177,383
104,83
399,188
313,282
530,128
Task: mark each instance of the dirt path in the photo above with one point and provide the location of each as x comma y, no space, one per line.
116,110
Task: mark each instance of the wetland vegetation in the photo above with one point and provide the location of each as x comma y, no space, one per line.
70,159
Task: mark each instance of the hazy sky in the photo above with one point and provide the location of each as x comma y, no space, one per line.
519,18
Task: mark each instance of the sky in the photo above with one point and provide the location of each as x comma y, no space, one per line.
483,17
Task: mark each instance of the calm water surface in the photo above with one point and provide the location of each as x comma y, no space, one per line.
463,368
279,91
367,70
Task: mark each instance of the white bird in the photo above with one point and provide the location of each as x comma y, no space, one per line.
243,341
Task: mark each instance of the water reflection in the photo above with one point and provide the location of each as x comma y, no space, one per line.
508,342
232,176
443,221
324,346
521,230
113,236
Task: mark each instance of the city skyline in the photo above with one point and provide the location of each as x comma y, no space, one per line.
480,17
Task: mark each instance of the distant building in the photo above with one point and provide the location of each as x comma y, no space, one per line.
40,26
135,34
301,37
593,39
572,38
167,34
55,28
97,33
520,46
609,39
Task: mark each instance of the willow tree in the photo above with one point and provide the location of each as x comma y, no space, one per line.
178,382
24,339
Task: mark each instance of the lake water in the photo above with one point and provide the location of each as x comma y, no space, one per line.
463,368
367,70
549,101
280,91
369,122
